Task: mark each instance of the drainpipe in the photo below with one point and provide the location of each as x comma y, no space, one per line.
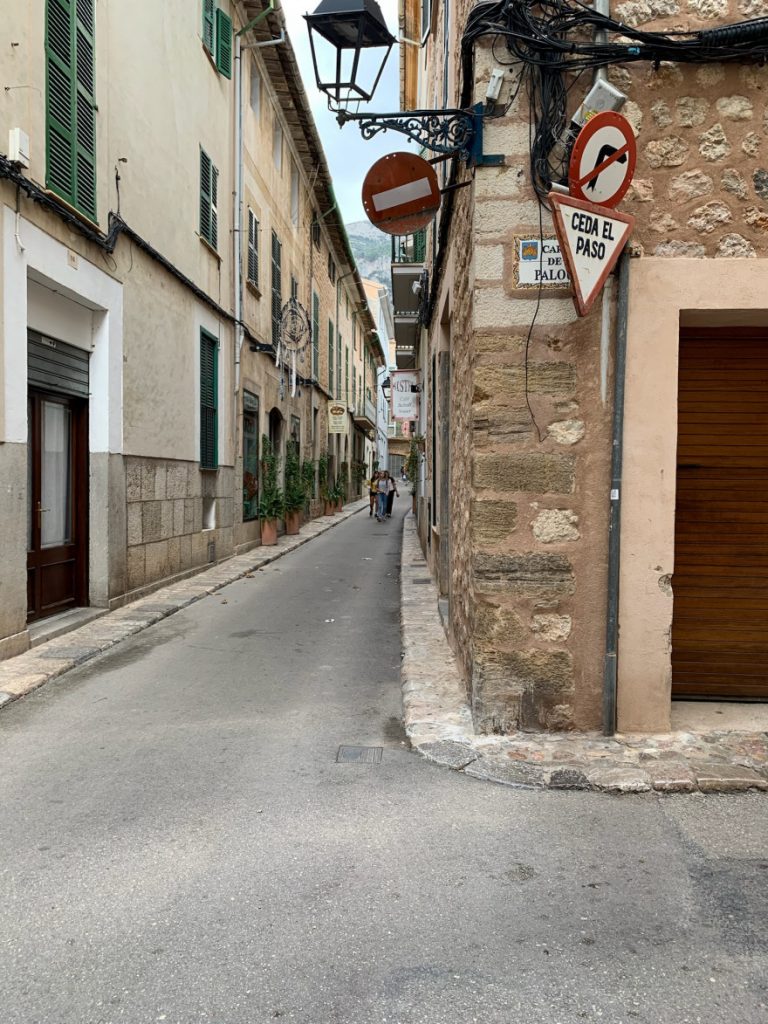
610,664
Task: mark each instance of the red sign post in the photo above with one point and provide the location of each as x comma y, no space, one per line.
603,159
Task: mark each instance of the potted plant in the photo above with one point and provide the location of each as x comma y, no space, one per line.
337,495
412,464
308,480
293,493
343,485
271,499
325,484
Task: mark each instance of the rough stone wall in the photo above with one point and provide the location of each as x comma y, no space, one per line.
165,518
540,489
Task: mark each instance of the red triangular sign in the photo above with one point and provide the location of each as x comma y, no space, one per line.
591,240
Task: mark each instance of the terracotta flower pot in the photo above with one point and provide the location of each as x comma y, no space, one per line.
268,531
330,508
339,505
292,522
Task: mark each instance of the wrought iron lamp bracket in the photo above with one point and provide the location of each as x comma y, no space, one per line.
445,132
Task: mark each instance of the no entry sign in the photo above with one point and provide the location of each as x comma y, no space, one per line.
591,240
401,194
603,159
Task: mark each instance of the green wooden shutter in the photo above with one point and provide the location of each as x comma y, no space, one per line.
277,288
224,43
209,188
315,335
331,335
209,453
338,364
70,103
208,24
253,248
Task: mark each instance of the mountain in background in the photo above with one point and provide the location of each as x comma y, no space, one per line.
372,250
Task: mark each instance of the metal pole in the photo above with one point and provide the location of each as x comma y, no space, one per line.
601,36
610,667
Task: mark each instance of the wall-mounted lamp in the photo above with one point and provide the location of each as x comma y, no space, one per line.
343,34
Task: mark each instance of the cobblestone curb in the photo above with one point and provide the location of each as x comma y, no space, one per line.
438,723
28,671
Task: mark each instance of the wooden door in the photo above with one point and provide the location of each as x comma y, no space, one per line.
720,582
57,509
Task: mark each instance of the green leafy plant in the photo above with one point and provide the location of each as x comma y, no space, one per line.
271,504
308,478
343,480
358,474
293,492
322,475
413,461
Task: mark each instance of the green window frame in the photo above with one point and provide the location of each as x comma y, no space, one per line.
209,191
315,335
346,374
354,386
70,121
209,400
277,288
251,440
223,43
331,339
253,249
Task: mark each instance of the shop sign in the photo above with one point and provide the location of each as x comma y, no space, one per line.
540,263
405,396
337,418
591,238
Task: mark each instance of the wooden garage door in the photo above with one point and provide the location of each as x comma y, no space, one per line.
720,582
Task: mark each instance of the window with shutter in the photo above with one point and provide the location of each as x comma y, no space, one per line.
315,335
209,447
70,103
346,374
224,43
277,288
331,336
338,364
209,31
209,187
253,249
426,19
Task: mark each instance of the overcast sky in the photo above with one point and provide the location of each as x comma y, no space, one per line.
349,157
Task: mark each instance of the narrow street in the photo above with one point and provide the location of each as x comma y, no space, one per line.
178,843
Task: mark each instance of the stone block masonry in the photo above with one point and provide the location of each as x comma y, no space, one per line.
175,513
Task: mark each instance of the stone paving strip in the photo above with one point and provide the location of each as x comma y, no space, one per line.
438,723
28,671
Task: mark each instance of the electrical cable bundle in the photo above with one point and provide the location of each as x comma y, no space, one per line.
550,38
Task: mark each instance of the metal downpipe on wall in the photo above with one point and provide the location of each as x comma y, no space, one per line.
610,665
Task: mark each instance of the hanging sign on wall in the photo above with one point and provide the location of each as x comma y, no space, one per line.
405,397
591,239
337,418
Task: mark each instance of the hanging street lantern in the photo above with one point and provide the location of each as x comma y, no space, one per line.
349,27
343,35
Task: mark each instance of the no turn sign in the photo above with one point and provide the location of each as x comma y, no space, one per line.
603,159
591,240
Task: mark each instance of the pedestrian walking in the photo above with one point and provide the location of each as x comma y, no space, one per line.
391,495
372,490
382,490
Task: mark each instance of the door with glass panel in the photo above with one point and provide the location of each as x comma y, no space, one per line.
57,504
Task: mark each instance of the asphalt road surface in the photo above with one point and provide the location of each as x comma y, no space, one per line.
179,844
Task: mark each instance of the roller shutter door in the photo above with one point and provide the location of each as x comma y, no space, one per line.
720,582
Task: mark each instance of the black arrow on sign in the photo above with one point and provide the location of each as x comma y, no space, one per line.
606,151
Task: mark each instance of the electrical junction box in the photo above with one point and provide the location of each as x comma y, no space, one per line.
602,96
18,147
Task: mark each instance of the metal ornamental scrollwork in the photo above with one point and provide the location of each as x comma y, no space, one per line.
447,131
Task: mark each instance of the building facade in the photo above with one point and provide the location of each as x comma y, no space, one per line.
154,227
517,492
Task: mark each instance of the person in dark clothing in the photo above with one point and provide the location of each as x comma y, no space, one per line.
392,494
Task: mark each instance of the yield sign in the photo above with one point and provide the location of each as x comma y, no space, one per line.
591,240
603,159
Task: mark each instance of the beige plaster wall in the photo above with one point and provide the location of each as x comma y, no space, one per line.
722,291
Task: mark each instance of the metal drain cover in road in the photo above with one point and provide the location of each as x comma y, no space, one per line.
359,755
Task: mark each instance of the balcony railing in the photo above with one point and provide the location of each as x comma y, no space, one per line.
410,248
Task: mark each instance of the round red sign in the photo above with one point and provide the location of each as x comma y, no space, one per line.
401,194
603,159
